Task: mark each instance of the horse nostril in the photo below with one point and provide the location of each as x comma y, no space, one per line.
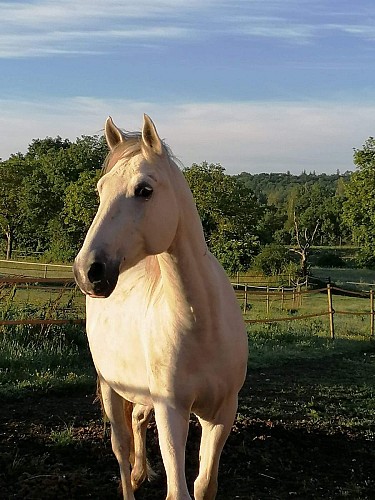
96,272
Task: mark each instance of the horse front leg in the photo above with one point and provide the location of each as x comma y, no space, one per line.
214,435
173,426
121,439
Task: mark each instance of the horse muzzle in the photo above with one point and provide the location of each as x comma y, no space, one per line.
96,277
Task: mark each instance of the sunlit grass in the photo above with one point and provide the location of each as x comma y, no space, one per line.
36,358
63,437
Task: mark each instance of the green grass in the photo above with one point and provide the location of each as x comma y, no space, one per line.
63,437
301,378
277,343
308,377
22,302
345,277
35,358
42,357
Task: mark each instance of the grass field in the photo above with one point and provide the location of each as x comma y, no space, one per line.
305,429
306,423
359,279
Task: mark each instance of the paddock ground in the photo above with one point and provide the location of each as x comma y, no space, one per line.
291,440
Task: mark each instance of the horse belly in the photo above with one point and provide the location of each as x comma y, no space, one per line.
118,353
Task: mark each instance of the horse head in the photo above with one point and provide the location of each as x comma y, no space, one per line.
138,213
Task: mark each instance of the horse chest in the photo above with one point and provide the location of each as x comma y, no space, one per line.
134,352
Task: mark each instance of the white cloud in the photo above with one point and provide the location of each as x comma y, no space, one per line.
247,136
40,27
37,27
36,13
80,42
276,27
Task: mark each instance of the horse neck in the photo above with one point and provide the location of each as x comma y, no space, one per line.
184,269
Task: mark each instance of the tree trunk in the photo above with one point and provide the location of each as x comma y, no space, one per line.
304,264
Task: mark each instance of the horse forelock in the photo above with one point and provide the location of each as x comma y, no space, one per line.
127,149
131,146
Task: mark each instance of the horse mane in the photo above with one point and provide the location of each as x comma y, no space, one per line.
128,148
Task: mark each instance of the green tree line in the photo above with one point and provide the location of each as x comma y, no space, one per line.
48,199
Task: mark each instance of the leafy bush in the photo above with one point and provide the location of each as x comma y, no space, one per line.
272,259
234,255
365,259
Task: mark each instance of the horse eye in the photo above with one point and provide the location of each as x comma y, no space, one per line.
143,191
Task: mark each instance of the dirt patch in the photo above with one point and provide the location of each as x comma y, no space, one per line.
52,447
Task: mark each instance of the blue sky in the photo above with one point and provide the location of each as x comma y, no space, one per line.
256,85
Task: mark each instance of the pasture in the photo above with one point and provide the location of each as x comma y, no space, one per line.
305,426
305,429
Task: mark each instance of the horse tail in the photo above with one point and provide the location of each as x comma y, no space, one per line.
99,398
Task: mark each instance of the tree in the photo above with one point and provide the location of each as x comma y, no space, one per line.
230,214
359,207
80,206
11,175
55,166
35,192
309,195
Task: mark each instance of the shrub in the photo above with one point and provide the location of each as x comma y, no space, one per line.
365,259
272,259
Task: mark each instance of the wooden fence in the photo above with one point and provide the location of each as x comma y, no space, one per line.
295,296
291,295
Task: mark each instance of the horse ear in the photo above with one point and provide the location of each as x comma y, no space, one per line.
150,137
113,135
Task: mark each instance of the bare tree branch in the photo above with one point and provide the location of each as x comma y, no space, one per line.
302,249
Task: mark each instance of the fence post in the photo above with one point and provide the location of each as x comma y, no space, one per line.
45,271
268,300
372,313
331,312
282,298
245,300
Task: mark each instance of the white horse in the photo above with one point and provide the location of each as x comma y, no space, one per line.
163,323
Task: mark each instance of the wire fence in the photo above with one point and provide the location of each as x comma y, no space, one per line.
40,301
